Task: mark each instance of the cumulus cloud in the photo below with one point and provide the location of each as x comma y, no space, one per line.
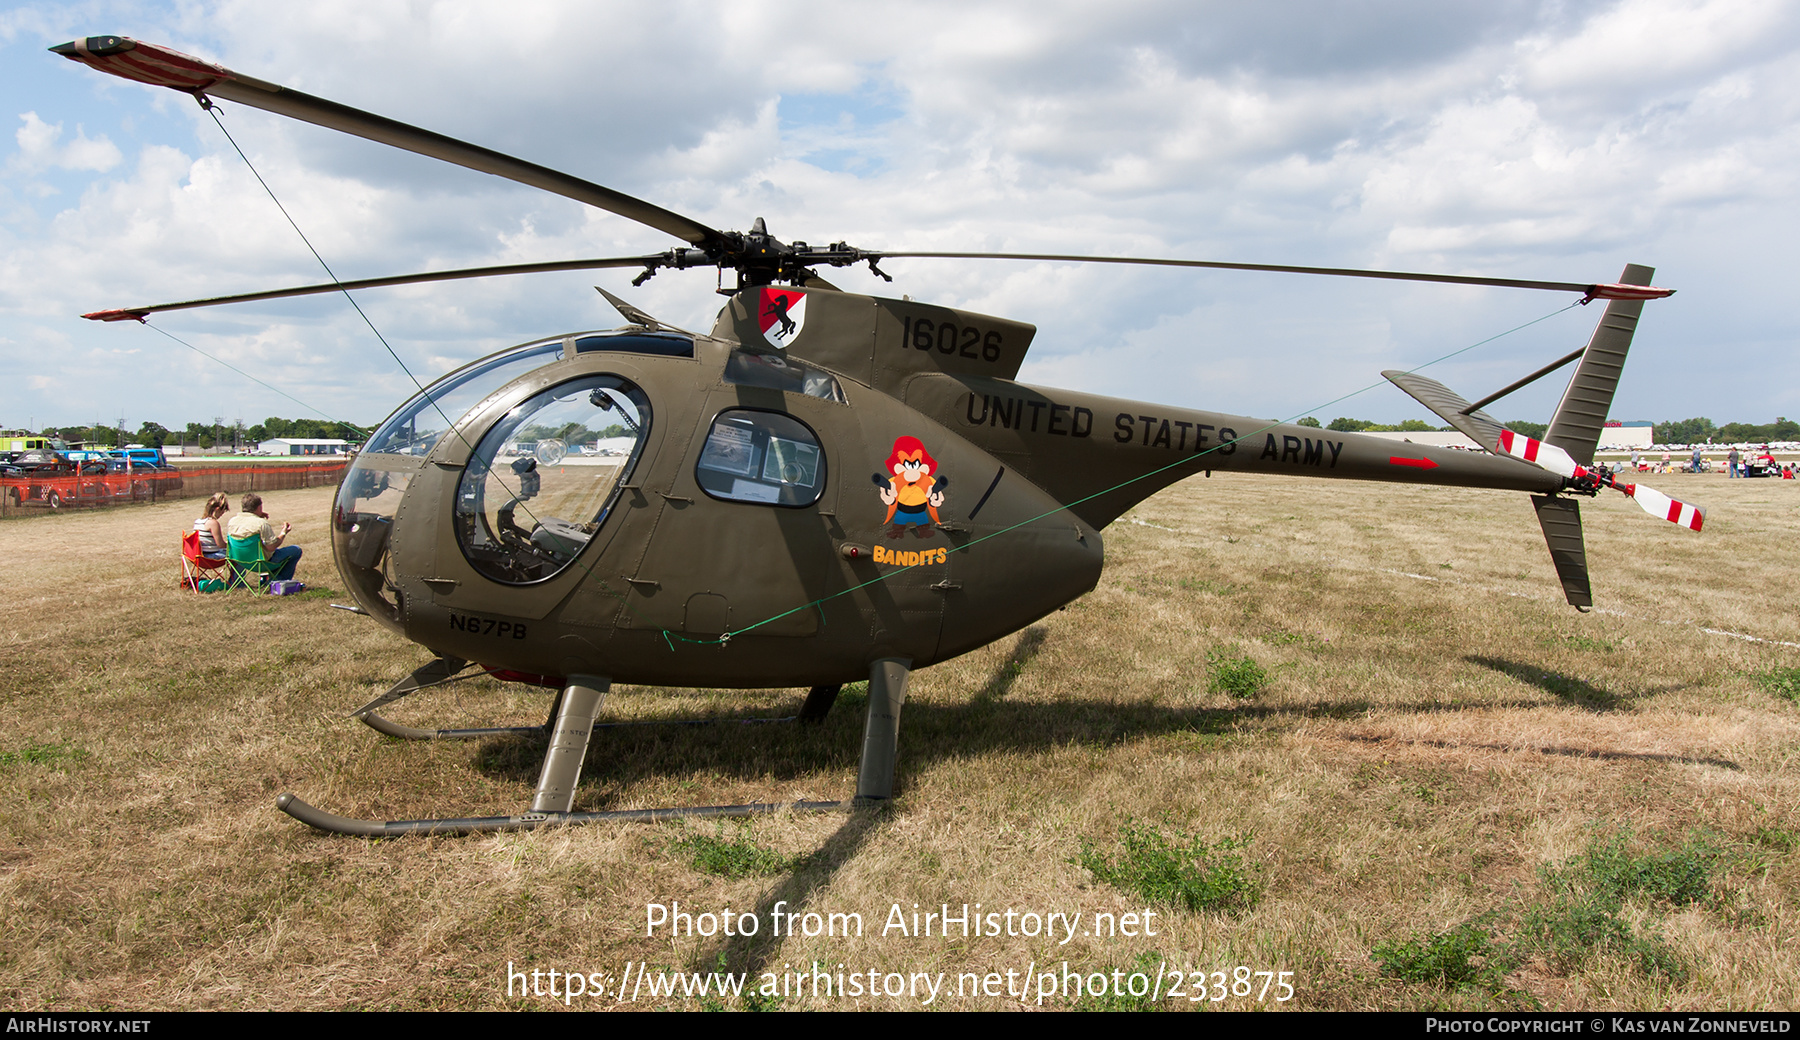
41,147
1554,140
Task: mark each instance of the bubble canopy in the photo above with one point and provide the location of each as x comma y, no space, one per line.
532,497
370,496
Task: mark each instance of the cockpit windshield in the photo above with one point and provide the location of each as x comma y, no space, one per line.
421,422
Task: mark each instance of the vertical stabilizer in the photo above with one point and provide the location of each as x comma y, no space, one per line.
1579,418
1561,520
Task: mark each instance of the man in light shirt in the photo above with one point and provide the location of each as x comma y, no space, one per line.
253,521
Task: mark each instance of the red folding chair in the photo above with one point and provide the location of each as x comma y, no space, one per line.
197,566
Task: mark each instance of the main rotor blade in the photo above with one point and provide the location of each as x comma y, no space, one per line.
1601,291
139,313
160,66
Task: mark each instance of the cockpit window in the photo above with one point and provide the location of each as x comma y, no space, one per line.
421,422
664,344
763,457
782,373
544,478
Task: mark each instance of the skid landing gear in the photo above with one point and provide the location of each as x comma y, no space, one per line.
571,726
445,670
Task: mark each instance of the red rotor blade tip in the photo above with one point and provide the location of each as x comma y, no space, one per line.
1618,291
1660,505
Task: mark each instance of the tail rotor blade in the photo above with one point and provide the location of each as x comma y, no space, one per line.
1658,504
1534,451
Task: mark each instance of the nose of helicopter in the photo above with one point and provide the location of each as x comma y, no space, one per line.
362,523
1021,561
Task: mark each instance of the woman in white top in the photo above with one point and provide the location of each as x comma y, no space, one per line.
212,534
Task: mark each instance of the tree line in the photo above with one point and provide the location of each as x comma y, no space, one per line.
217,433
1699,431
1685,431
1346,425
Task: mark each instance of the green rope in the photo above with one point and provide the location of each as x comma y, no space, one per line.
1188,461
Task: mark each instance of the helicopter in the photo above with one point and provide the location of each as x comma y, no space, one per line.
712,525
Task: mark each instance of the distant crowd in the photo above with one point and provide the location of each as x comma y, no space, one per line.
1758,463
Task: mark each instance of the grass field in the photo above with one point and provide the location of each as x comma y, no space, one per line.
1345,731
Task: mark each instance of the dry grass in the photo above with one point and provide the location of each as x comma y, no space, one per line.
1422,752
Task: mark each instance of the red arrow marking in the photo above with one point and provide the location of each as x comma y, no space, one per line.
1415,463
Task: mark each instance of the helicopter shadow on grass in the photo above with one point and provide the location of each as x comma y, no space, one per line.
625,757
1559,751
751,954
1025,648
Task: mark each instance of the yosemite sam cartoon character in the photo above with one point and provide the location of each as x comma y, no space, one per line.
914,493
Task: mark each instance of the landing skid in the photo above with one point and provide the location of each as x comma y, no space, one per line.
448,670
569,729
325,821
395,729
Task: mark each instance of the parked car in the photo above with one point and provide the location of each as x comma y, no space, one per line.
112,480
41,476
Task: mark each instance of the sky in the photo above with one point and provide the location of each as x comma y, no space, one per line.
1532,140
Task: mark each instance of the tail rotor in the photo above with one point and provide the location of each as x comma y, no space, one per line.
1573,433
1590,481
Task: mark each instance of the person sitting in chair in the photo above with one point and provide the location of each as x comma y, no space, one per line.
212,532
253,521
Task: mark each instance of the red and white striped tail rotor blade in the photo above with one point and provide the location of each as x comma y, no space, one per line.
1534,451
1658,504
1559,462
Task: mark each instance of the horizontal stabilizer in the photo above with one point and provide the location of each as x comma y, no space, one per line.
1478,425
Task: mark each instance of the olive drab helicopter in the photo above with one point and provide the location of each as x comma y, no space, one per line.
824,487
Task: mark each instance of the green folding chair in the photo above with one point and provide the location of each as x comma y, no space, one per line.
246,556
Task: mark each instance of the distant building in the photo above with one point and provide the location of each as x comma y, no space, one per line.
1637,434
302,446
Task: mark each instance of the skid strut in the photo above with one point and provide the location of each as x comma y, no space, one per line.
571,727
575,715
881,730
436,672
